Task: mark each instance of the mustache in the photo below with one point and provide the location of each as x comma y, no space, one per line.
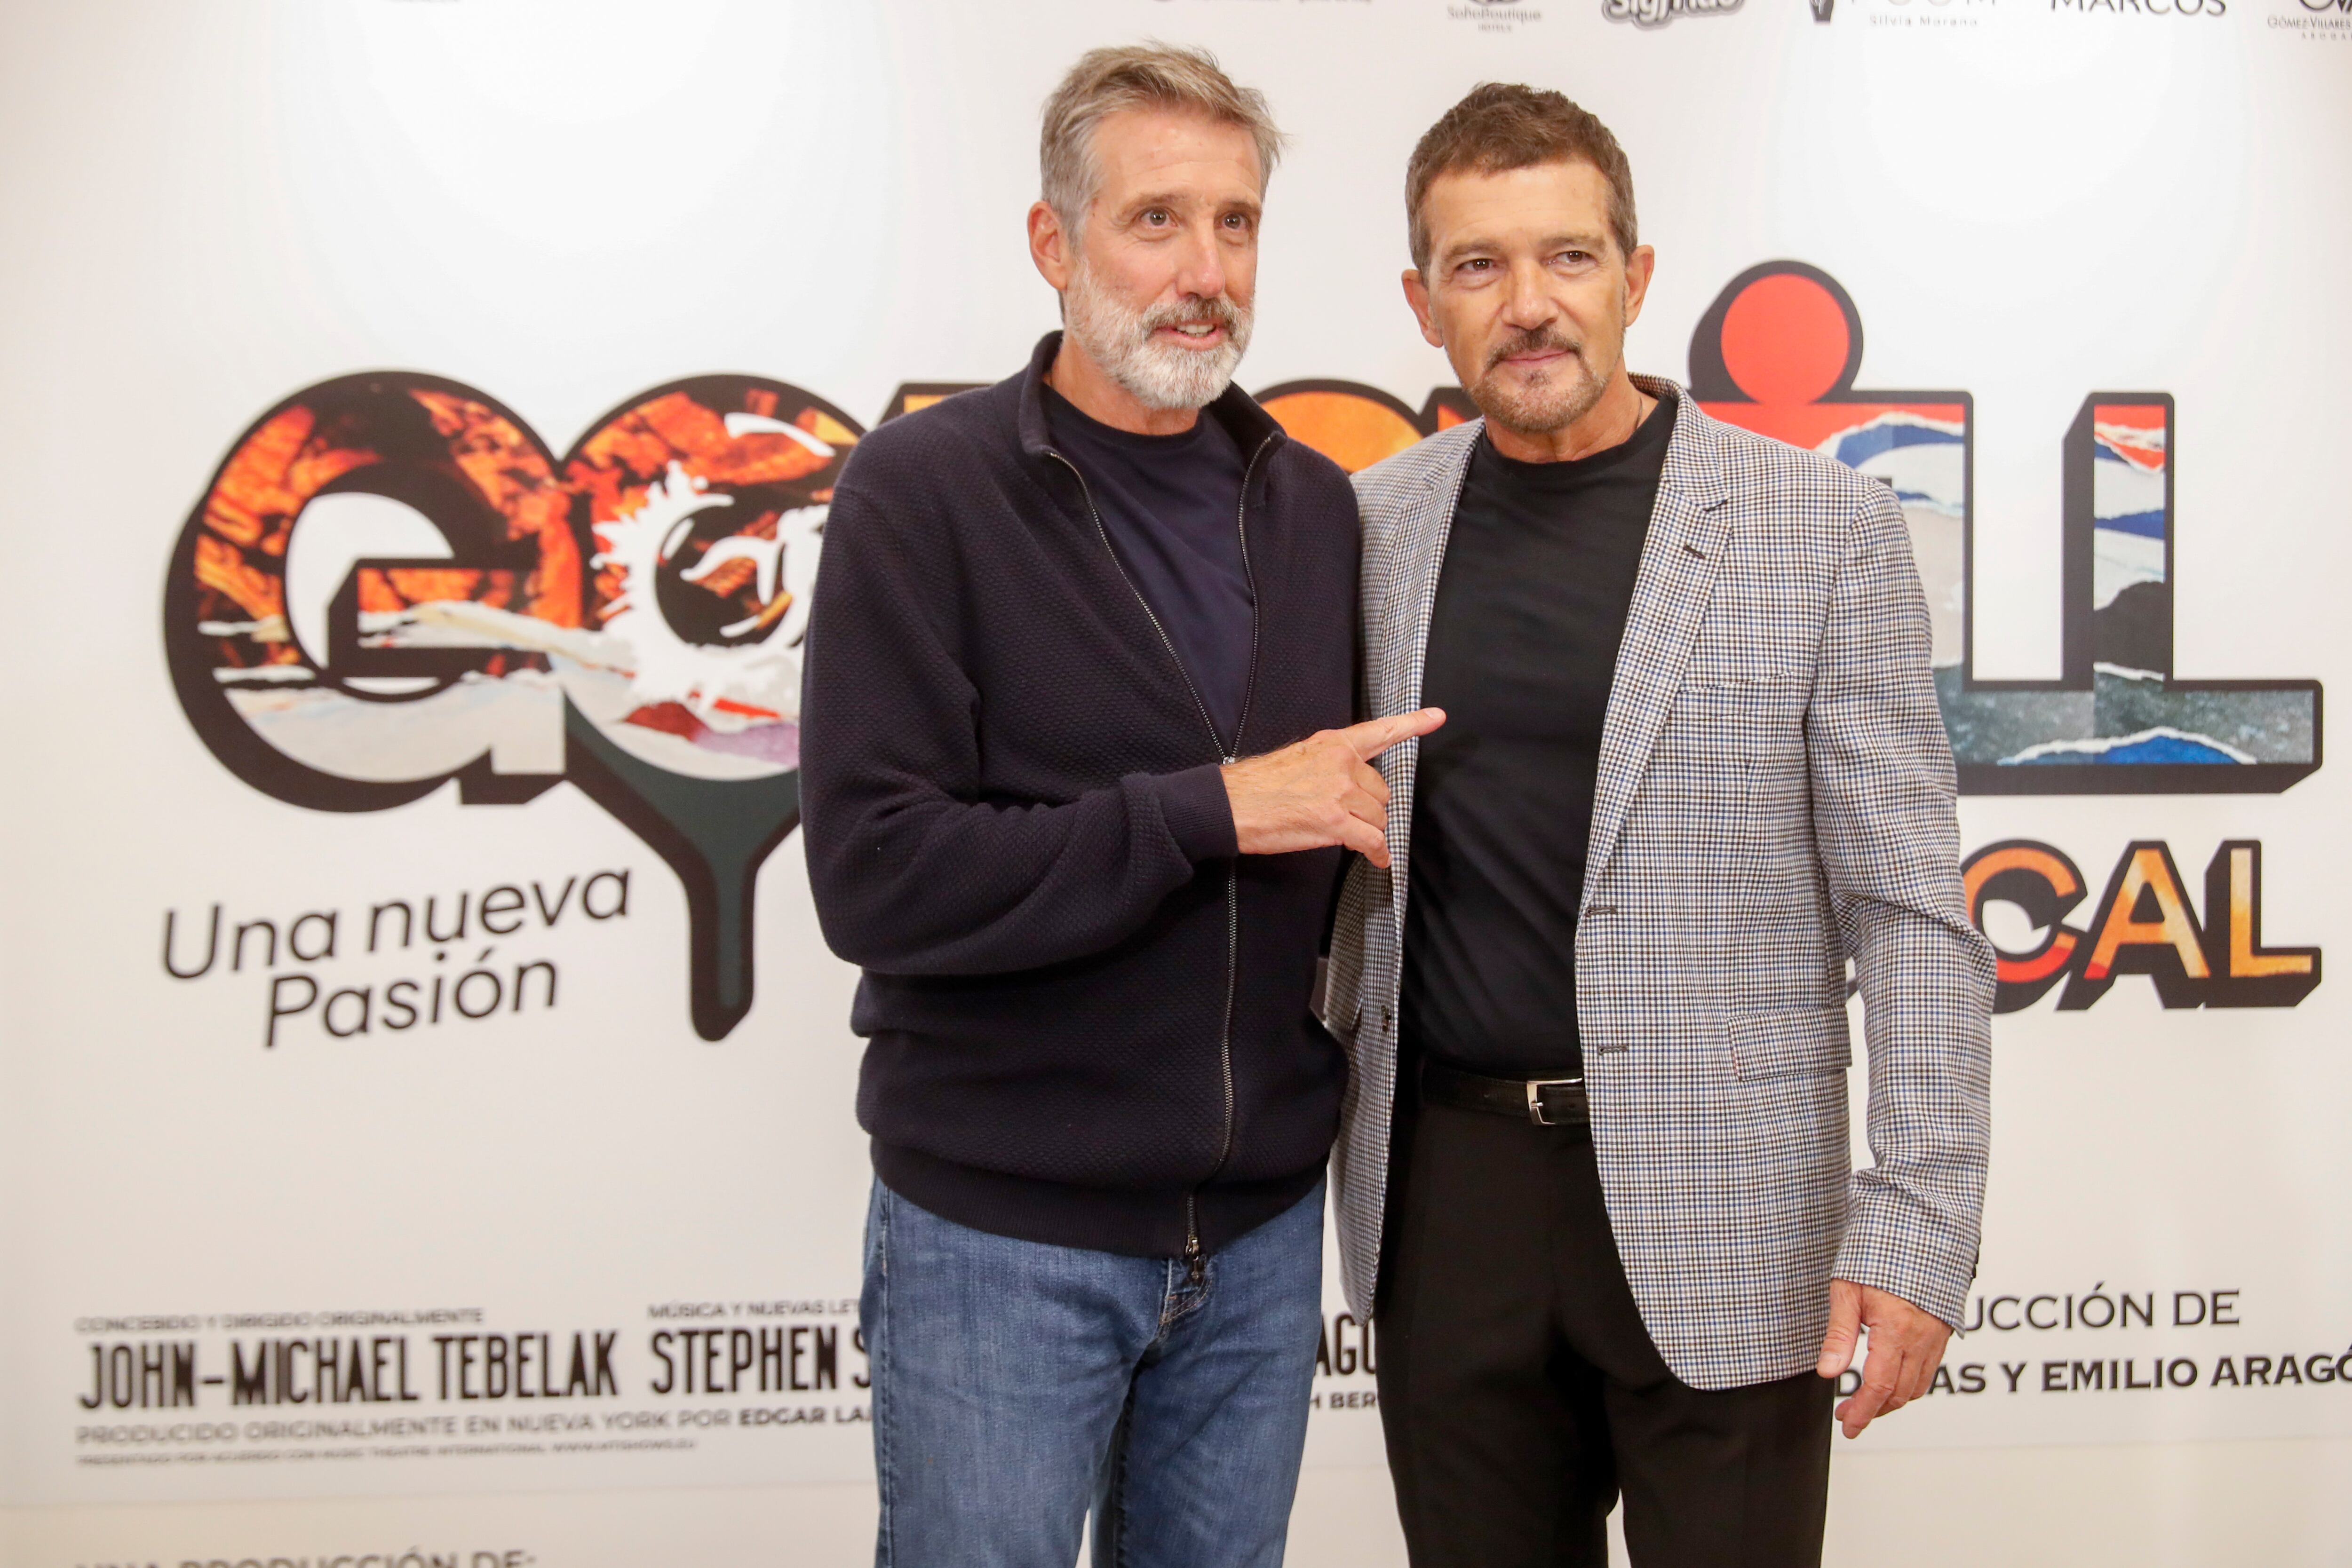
1533,340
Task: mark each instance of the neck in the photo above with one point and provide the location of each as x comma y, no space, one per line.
1609,423
1076,376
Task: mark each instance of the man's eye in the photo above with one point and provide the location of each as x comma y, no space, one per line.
1157,217
1575,257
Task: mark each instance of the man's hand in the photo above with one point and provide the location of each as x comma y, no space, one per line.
1321,791
1906,1345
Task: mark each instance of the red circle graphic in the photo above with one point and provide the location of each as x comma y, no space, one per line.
1785,340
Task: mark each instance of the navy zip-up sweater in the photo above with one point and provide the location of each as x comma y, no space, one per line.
1086,1016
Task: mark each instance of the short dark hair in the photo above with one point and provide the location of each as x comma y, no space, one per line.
1502,126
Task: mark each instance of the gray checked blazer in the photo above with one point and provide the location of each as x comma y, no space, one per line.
1776,798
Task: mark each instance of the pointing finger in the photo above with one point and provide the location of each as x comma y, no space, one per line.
1375,735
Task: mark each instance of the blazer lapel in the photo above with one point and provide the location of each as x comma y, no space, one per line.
1419,558
1688,529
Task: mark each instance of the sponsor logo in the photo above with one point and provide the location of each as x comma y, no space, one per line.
1494,16
2318,21
1658,13
1924,15
2213,8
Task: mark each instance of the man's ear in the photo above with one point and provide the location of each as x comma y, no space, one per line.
1416,294
1638,266
1049,247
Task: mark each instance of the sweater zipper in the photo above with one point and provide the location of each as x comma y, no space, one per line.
1195,1261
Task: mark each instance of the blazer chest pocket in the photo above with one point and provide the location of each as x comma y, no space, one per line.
1721,722
1731,752
1789,1044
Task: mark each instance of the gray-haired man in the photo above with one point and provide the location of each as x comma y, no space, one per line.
1055,614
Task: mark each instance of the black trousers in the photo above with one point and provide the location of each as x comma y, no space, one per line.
1521,1394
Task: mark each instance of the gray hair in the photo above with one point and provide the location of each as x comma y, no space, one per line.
1160,76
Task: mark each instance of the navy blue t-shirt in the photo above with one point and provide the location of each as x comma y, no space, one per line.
1171,505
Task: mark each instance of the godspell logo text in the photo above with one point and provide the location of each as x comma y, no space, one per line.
391,584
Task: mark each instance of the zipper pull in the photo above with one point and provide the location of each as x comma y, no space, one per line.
1196,1268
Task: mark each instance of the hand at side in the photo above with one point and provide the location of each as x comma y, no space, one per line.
1906,1345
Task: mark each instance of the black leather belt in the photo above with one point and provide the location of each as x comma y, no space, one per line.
1546,1102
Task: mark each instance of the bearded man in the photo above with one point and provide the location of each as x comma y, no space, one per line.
1075,784
1693,767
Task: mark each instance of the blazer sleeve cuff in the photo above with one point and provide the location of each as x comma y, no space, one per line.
1198,812
1931,1272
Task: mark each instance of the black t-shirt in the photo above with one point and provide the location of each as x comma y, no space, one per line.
1171,505
1531,605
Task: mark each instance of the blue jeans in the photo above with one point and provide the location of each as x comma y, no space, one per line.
1016,1385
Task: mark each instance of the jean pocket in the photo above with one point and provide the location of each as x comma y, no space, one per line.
1793,1045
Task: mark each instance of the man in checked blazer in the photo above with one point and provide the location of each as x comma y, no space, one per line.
1594,1180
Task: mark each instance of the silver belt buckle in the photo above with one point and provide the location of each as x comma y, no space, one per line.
1536,1086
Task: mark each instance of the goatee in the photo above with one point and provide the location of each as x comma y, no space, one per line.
1551,400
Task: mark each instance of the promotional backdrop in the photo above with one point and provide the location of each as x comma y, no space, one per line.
422,1072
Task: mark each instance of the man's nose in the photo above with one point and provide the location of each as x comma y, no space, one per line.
1199,267
1528,303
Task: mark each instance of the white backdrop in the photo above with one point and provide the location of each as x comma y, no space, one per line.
2044,208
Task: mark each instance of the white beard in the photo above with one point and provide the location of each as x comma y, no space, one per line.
1120,341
